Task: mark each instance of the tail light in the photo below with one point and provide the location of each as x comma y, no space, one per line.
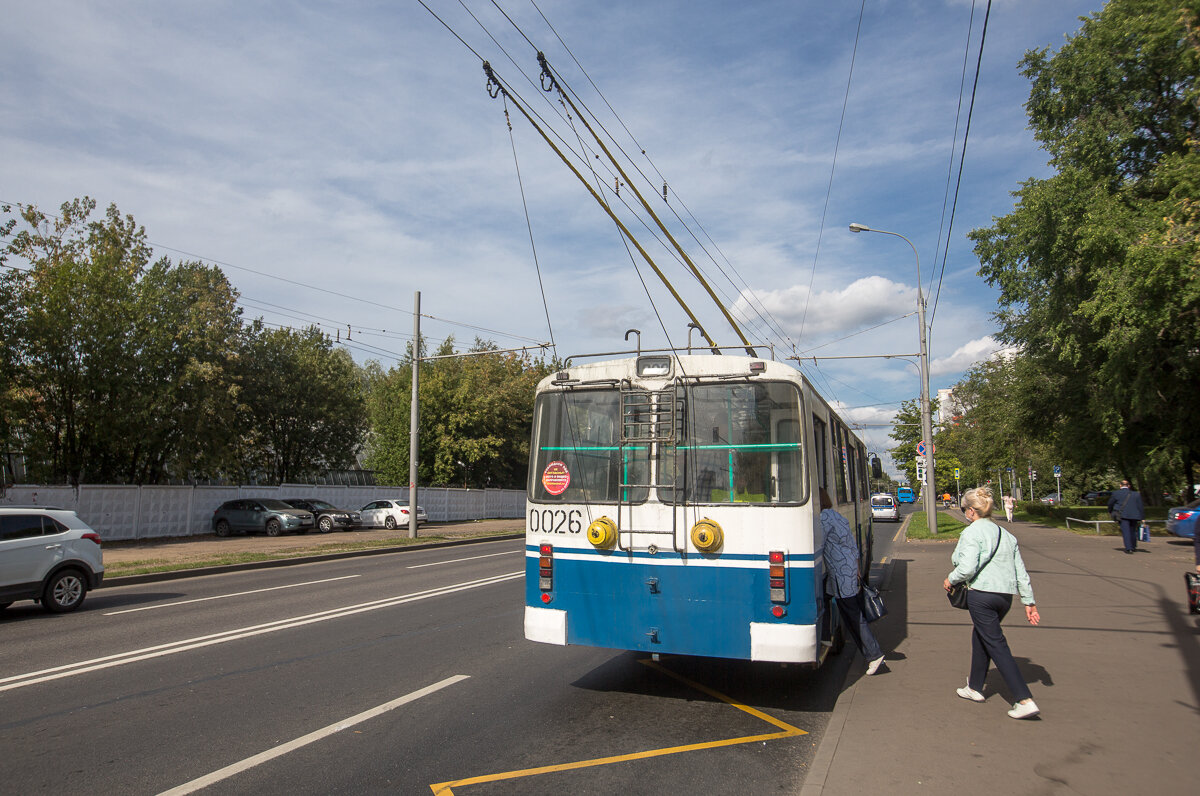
778,577
546,570
91,537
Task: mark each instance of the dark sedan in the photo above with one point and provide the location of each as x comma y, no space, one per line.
260,515
329,517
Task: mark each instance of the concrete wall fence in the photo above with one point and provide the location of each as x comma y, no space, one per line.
120,513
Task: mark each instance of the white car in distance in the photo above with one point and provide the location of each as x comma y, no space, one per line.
885,507
390,514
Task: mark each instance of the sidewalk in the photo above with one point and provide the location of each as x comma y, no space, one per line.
1114,667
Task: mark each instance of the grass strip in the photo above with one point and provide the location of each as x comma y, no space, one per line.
948,528
148,566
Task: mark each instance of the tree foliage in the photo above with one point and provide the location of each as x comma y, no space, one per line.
1097,264
300,402
116,370
475,418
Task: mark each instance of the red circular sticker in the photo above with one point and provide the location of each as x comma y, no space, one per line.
556,478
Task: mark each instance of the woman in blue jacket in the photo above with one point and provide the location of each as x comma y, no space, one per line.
992,584
840,553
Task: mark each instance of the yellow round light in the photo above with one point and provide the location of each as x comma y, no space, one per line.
602,532
707,535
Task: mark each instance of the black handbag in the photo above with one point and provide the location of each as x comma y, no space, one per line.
958,591
872,604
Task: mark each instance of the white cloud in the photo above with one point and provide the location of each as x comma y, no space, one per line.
864,302
967,355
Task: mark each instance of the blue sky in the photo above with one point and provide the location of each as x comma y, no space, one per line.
336,157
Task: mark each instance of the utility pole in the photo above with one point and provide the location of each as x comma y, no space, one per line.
413,416
926,421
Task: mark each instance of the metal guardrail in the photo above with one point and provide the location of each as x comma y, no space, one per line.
1098,522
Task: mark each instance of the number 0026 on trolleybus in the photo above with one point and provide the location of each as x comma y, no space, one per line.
673,508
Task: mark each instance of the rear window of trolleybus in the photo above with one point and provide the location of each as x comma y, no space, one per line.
737,443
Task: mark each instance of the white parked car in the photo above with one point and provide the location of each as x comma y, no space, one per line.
48,555
885,507
390,514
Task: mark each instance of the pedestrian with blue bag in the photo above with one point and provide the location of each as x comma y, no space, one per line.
1125,506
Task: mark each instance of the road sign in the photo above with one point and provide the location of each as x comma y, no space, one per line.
956,473
1057,470
921,448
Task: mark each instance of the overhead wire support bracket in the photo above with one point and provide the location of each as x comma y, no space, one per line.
547,73
500,90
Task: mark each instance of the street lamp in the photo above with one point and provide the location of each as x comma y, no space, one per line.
926,420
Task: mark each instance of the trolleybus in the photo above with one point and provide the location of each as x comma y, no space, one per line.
673,507
905,494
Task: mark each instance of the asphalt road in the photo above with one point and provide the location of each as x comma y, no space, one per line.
397,673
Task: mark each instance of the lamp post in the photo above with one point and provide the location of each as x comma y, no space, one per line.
926,420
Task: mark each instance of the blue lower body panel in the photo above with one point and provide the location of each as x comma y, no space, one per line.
692,608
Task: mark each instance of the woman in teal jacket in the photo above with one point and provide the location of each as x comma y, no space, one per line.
992,585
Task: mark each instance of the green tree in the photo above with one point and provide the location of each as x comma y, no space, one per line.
187,329
1097,265
9,282
301,405
116,370
476,414
906,430
72,319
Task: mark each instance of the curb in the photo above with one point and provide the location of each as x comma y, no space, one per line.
178,574
818,771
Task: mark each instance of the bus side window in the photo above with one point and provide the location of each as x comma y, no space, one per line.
820,442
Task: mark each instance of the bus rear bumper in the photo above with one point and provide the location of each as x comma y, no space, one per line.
547,625
784,643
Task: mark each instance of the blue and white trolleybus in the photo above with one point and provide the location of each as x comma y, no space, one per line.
672,507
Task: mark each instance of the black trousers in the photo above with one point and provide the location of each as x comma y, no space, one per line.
1129,533
988,644
856,625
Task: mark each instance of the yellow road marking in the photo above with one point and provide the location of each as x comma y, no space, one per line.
786,731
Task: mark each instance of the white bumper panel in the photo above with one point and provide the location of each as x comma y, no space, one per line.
773,642
547,625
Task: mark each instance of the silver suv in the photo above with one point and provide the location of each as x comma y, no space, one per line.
49,555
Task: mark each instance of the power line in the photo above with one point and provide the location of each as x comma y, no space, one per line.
962,160
584,146
833,166
308,286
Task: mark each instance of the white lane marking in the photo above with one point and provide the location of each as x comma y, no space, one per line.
304,740
472,558
224,596
120,659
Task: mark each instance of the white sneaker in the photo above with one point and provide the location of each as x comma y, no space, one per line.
874,665
967,692
1024,710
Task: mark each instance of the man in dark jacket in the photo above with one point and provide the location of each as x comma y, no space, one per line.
1125,506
